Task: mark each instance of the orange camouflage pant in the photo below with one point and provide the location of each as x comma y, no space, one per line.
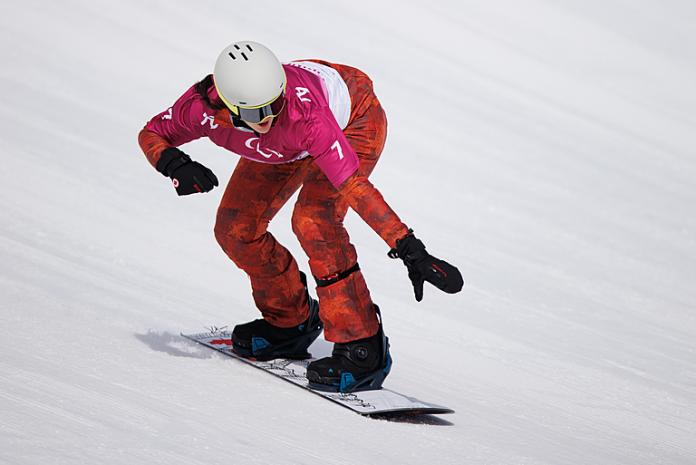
257,191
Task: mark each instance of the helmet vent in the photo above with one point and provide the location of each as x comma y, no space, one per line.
249,47
245,57
233,57
237,47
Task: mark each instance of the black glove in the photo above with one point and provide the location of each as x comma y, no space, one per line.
424,267
187,176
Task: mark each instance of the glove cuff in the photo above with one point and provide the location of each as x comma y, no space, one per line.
408,248
170,160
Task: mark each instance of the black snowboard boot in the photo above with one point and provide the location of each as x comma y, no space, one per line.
261,340
353,366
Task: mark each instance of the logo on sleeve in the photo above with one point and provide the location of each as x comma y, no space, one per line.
209,119
167,115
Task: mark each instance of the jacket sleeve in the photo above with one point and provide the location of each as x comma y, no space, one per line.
187,119
367,201
329,147
337,159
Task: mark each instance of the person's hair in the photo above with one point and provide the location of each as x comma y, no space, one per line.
202,88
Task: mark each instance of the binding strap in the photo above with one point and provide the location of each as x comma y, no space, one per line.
334,278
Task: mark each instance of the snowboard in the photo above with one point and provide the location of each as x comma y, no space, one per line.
380,402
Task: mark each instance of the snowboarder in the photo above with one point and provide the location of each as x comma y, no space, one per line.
309,125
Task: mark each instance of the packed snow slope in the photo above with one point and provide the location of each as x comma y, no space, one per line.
544,147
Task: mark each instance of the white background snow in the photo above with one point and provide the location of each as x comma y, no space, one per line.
545,147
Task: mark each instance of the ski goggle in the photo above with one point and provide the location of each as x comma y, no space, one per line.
262,112
258,113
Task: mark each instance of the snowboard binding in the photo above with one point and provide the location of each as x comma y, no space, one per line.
353,366
262,341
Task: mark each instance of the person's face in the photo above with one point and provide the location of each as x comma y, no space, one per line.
263,127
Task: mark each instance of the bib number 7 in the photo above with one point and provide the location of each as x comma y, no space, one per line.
336,146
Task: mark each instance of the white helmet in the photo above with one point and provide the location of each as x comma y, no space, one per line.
250,79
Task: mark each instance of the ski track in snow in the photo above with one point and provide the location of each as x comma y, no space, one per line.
558,173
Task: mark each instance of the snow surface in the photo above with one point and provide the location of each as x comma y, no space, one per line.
557,170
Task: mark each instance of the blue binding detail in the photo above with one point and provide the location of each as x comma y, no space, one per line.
258,343
347,380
